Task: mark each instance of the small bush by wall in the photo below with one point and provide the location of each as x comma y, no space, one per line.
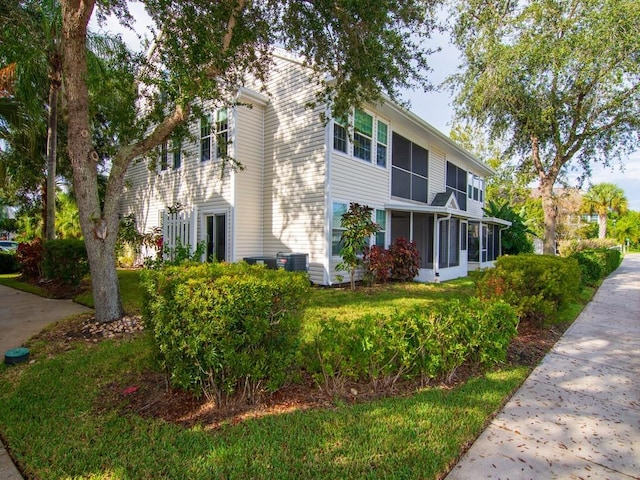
406,260
8,262
225,330
535,285
65,260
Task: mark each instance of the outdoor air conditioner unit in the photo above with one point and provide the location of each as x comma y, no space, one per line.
293,262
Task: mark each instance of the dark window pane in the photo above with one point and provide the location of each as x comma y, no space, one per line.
205,149
400,225
463,236
462,180
462,200
362,147
401,152
339,138
177,158
452,175
381,156
419,189
400,183
419,160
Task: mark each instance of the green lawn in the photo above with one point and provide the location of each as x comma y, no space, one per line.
52,420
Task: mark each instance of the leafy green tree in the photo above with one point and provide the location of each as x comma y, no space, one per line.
604,199
207,50
627,228
507,183
515,239
358,228
557,80
35,48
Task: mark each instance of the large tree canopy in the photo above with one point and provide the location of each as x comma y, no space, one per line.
207,50
558,80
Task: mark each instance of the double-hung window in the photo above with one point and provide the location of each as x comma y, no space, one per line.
369,139
205,138
340,135
177,155
339,209
362,135
222,133
475,189
214,136
164,156
382,145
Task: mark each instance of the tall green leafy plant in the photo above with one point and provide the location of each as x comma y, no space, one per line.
358,227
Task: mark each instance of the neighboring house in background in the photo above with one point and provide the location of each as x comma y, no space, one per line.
300,176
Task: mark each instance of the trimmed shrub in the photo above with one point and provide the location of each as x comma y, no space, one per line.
380,349
29,255
591,269
607,258
65,260
379,263
225,330
8,262
535,285
406,260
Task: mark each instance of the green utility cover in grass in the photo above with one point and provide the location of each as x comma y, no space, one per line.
16,355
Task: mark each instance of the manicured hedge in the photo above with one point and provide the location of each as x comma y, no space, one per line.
597,264
65,260
535,285
380,349
225,330
8,262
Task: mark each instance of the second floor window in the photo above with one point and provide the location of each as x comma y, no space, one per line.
177,155
164,156
457,183
369,140
214,136
410,166
340,136
475,188
362,135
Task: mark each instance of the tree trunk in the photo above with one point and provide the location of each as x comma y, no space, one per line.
99,231
550,216
602,226
52,138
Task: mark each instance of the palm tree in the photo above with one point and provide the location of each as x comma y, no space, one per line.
602,199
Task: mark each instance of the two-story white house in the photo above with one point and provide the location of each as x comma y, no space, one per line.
300,174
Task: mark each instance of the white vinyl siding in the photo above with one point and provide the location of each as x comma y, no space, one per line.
194,184
295,166
248,218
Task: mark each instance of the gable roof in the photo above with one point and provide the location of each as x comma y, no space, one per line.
445,199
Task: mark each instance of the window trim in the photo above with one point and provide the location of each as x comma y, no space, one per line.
217,131
350,133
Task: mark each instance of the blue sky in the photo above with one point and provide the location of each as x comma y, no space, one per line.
435,107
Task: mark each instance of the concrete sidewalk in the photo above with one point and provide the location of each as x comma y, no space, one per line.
22,315
578,413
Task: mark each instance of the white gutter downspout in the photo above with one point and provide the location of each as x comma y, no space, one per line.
436,260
